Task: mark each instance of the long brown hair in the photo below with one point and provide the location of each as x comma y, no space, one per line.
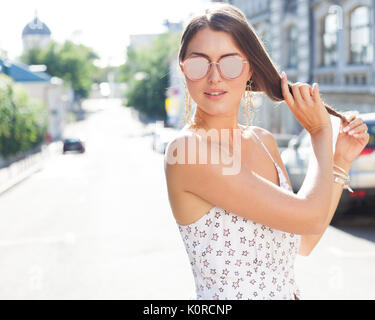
228,18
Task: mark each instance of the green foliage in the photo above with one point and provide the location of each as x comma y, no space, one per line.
101,74
69,61
146,73
23,121
33,56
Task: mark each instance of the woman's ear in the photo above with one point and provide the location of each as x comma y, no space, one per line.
251,71
181,66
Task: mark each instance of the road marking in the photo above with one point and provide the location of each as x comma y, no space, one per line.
351,254
69,238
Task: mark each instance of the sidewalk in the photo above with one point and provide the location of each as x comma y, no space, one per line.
22,169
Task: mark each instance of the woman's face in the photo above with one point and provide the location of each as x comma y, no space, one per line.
213,45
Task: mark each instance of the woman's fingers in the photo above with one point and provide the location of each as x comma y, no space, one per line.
285,90
352,124
364,135
356,127
316,93
305,94
359,129
302,93
296,93
305,104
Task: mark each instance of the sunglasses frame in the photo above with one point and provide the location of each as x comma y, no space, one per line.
182,64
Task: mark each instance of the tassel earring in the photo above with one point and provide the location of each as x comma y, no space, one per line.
187,118
248,105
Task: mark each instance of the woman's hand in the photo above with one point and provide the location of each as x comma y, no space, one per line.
306,105
351,139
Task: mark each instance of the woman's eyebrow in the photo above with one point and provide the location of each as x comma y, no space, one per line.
206,56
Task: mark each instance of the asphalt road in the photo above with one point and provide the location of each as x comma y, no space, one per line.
98,226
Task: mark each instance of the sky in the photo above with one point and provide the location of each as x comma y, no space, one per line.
103,25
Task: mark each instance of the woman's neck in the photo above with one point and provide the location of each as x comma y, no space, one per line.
207,122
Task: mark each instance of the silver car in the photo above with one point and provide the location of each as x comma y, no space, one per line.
362,172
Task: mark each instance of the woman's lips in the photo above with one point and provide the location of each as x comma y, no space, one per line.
215,95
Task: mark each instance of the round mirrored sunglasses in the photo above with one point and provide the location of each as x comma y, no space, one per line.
196,68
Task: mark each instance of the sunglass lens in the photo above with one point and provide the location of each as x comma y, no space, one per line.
196,68
231,67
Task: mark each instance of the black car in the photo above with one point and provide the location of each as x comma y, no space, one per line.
73,144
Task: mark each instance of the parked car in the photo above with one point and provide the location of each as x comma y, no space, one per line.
162,137
73,144
362,172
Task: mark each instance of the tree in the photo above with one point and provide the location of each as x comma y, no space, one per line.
69,61
146,73
33,56
101,73
23,121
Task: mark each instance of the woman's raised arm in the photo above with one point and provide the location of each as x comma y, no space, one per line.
253,197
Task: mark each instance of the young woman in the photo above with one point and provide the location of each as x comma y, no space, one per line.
243,229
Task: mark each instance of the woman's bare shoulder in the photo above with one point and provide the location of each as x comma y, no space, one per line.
180,140
184,147
177,157
266,136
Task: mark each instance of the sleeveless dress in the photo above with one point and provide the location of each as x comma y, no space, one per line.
235,258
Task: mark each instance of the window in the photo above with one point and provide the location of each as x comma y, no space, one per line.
361,51
329,40
264,5
290,6
292,47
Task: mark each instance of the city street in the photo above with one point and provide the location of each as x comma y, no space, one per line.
98,225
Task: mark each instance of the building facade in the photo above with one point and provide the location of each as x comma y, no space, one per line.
329,42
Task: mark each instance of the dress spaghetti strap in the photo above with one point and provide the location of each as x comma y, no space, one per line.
282,178
265,148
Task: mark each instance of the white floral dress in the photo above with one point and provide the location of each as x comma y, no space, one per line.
235,258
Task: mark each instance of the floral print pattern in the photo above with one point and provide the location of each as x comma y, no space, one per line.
235,258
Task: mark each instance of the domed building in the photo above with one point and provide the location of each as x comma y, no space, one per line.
36,34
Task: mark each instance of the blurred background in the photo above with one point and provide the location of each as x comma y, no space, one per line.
90,95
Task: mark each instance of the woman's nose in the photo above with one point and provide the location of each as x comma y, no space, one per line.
214,74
